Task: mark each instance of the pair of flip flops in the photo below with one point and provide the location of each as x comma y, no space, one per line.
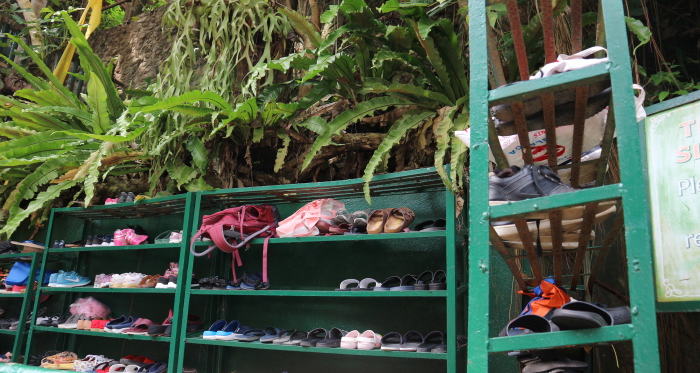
413,341
574,315
367,284
547,361
318,337
427,280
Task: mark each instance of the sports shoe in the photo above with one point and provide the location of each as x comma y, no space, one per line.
107,241
89,241
162,283
130,197
71,280
122,197
119,239
121,327
175,237
172,282
116,281
132,280
518,184
72,322
53,279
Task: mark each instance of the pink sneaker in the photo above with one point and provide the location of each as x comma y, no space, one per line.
131,238
119,239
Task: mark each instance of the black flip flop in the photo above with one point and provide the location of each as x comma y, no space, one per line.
411,341
271,333
430,341
584,315
392,341
388,284
528,324
423,280
250,335
332,339
406,284
439,281
295,338
313,337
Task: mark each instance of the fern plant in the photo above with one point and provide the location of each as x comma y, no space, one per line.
413,69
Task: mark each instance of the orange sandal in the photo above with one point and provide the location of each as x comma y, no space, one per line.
398,220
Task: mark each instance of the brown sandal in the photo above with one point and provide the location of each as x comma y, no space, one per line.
399,219
376,221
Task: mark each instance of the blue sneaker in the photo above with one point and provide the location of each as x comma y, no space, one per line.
53,279
227,332
213,329
121,327
71,280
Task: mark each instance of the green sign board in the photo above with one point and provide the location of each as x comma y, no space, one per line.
673,157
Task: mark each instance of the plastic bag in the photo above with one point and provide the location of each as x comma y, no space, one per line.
304,221
89,307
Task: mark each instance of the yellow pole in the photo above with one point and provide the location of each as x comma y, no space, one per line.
64,64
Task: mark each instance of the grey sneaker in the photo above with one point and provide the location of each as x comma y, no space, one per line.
518,184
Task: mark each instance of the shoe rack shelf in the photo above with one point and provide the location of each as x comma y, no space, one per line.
629,195
74,224
20,335
311,301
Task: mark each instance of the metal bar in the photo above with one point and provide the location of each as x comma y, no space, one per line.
576,26
615,333
555,218
584,238
451,260
635,200
609,239
526,238
550,124
579,121
507,257
479,252
581,197
552,253
554,83
547,18
26,305
518,41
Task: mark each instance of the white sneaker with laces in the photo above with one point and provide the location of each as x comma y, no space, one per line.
117,280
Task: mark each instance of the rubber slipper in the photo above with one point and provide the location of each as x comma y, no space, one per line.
399,219
407,283
376,221
392,341
295,338
284,336
365,285
339,229
344,285
423,280
313,337
369,340
431,225
213,329
388,284
560,362
271,334
342,216
528,324
333,338
411,341
253,281
584,315
430,341
250,335
349,340
439,281
360,218
117,368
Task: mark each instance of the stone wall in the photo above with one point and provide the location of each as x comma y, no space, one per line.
140,48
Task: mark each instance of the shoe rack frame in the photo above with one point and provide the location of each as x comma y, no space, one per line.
630,193
21,333
156,208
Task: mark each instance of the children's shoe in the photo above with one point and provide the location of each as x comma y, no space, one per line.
130,197
369,340
116,281
162,283
89,241
122,197
107,241
106,281
172,282
119,239
19,289
132,280
349,341
98,280
175,237
71,280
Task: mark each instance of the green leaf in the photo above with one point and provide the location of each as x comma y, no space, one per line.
642,32
189,97
180,172
329,15
29,186
43,199
458,151
663,95
317,125
443,133
90,171
282,152
397,131
39,145
318,92
301,24
97,100
407,91
200,156
348,117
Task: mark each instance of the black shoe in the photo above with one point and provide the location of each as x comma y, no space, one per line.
122,197
172,282
162,283
130,197
516,184
55,244
61,244
89,241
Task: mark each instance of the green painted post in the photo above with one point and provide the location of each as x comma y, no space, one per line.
478,265
635,198
26,304
451,265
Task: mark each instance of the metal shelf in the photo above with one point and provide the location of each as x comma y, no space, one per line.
342,238
324,293
90,289
537,341
100,334
112,248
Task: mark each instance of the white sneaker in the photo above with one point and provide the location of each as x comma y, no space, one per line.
116,281
132,280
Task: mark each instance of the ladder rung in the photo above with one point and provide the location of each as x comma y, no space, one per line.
532,88
581,197
616,333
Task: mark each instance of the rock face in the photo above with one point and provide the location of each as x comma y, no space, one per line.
140,47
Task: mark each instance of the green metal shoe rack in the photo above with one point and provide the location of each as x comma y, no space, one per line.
16,338
630,193
304,273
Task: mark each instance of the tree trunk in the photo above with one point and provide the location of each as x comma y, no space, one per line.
32,17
